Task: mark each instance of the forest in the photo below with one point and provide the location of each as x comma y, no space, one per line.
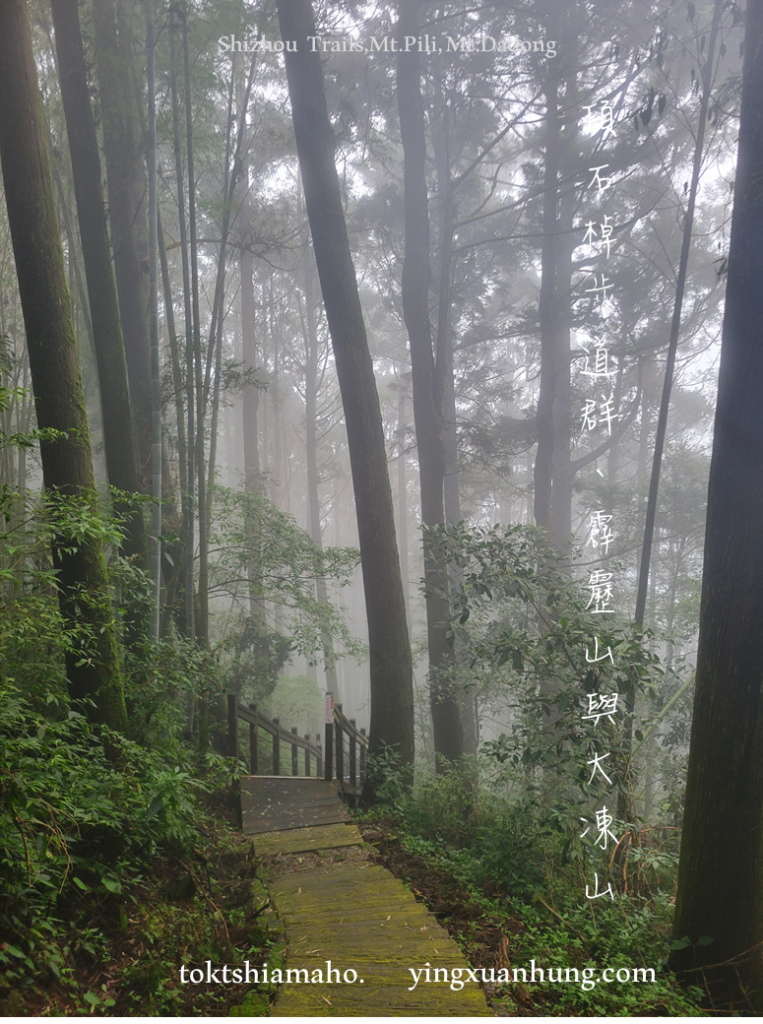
380,382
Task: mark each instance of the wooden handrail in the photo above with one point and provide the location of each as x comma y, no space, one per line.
313,755
348,771
330,763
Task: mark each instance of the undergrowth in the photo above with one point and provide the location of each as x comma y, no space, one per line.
114,871
118,859
516,894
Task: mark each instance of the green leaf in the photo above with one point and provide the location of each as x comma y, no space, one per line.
155,806
78,882
112,884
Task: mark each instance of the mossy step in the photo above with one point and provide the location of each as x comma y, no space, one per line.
359,917
302,840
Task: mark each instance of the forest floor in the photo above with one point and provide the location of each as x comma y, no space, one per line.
491,931
123,954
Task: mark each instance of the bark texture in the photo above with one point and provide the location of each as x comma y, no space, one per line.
125,176
66,462
428,378
720,878
101,288
311,452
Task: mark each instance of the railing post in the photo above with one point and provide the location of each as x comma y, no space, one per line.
294,754
232,725
353,780
277,748
254,743
363,747
328,753
307,754
339,745
318,756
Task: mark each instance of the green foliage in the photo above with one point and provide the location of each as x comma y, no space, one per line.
72,820
252,656
507,823
256,549
82,810
509,856
387,779
523,636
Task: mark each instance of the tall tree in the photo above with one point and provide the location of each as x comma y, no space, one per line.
190,310
719,907
389,647
675,325
428,378
101,288
155,556
125,176
251,397
94,675
311,454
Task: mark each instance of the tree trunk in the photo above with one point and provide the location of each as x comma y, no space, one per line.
71,236
389,647
249,409
155,553
562,471
446,373
66,461
720,876
402,497
675,327
124,174
542,474
311,452
174,562
427,389
251,397
554,471
189,491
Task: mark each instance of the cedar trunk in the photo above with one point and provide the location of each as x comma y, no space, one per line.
542,474
101,288
428,389
389,647
66,462
250,407
720,878
125,179
311,452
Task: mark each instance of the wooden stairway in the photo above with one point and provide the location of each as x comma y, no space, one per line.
338,906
